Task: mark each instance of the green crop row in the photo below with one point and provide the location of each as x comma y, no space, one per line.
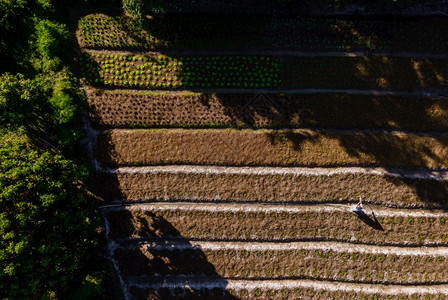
247,71
182,71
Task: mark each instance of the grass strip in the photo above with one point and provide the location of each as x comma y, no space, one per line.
270,147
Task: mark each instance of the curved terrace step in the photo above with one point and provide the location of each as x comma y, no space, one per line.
160,71
299,147
280,223
203,288
321,261
333,32
390,187
133,108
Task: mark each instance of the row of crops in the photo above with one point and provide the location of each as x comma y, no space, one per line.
281,293
298,263
123,108
161,72
183,32
155,71
285,188
285,226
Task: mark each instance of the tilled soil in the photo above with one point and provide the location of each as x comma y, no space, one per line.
295,263
375,189
270,147
281,225
140,109
266,293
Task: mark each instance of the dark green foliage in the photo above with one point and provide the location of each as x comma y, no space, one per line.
65,102
45,105
46,221
15,26
133,8
48,236
22,101
52,43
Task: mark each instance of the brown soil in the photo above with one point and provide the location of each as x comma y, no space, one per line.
263,293
270,147
335,226
392,191
140,109
371,72
295,263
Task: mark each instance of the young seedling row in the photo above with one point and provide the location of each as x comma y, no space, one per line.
251,222
273,185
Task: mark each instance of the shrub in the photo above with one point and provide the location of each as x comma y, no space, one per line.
52,40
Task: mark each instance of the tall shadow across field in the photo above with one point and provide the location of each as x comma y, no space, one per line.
334,111
161,256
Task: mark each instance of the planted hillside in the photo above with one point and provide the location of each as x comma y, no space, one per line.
276,156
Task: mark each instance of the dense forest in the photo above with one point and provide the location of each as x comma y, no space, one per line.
48,219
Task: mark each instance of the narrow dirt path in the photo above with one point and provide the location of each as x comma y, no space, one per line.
366,53
251,285
268,208
314,245
443,93
440,175
303,129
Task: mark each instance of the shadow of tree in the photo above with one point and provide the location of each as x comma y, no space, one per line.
296,137
161,257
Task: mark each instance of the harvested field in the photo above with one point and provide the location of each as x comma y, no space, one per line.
291,260
230,185
156,71
199,32
145,109
252,222
271,147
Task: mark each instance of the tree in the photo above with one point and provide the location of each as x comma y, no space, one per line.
47,222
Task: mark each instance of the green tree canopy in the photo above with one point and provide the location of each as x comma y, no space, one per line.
46,221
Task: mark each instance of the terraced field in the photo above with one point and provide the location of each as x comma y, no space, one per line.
227,165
